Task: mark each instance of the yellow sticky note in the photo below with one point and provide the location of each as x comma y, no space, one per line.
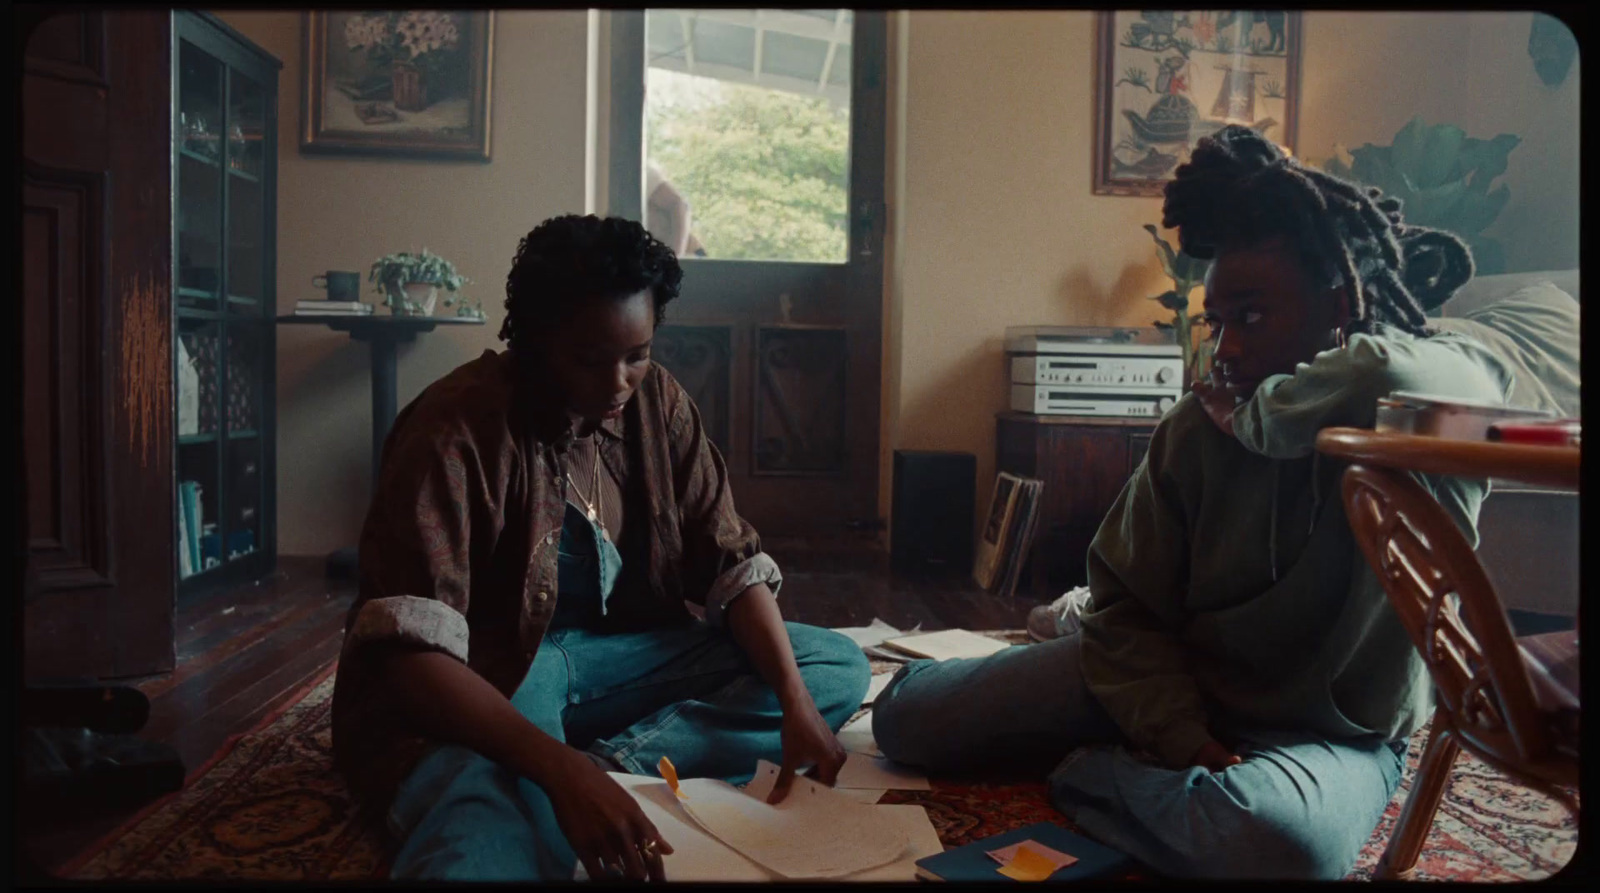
1028,865
670,773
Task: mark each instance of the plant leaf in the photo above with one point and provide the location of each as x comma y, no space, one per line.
1374,170
1484,160
1168,257
1191,271
1409,145
1440,161
1477,211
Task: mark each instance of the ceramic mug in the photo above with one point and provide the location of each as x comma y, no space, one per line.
341,285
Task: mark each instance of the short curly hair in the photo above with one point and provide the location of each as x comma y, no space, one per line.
572,259
1238,189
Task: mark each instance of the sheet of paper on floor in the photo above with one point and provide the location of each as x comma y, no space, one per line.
766,778
813,834
947,644
856,736
870,773
874,633
922,842
861,795
876,687
878,652
697,856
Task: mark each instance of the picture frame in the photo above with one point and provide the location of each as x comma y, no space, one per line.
409,83
1165,78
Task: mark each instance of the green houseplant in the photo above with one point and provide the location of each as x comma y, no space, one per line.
1443,178
410,283
1187,272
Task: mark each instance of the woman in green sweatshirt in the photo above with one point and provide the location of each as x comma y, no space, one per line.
1238,699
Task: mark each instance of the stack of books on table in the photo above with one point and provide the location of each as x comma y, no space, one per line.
317,307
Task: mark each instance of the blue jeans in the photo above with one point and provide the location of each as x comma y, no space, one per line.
1299,806
685,692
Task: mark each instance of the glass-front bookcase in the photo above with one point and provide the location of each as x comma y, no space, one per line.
224,160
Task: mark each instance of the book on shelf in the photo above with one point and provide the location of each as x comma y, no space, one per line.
188,392
185,565
190,523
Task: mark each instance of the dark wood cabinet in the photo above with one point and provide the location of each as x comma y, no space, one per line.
224,120
1084,463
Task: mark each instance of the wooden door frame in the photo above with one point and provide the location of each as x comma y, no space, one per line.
865,270
99,604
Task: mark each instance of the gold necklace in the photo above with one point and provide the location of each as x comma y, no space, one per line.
592,508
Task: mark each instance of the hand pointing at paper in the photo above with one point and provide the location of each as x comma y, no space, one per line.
757,625
807,741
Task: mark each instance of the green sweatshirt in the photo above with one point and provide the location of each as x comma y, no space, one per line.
1227,590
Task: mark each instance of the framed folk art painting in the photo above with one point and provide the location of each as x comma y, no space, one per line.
1166,78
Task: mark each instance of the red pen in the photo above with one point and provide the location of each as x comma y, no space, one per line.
1563,432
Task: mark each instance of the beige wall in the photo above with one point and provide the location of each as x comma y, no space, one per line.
999,227
992,222
342,212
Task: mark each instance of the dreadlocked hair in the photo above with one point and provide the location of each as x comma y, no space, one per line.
1238,189
570,260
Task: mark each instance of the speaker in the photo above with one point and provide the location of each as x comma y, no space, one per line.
930,530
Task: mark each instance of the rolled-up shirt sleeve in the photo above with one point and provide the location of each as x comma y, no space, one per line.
434,497
722,555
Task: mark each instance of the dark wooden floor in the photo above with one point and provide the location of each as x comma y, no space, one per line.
242,654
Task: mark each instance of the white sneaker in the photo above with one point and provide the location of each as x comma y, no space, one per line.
1059,618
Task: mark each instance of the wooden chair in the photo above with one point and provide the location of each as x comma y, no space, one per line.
1491,698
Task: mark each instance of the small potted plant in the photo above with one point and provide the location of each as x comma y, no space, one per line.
1187,273
410,282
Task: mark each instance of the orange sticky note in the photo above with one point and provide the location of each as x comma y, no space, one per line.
670,773
1005,854
1028,865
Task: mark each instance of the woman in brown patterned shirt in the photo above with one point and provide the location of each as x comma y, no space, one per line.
541,517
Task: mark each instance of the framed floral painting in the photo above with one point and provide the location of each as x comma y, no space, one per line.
1166,78
402,82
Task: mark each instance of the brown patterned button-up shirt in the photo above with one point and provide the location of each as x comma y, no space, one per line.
458,553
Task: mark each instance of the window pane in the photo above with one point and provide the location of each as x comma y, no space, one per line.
747,133
199,177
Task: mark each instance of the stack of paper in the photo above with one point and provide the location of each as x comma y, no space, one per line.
872,636
948,644
719,833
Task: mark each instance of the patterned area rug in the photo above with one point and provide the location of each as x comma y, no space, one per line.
270,807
